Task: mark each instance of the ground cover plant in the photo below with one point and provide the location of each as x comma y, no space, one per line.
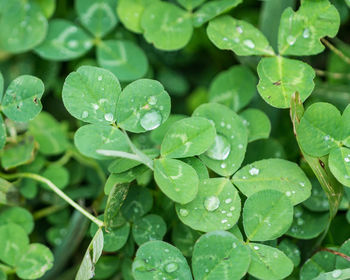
187,139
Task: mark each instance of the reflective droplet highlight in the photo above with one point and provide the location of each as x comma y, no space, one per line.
151,120
211,203
220,149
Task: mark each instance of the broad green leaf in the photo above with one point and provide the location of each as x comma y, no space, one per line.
14,243
92,254
212,9
217,206
122,164
267,215
92,137
258,124
239,36
340,274
47,7
64,41
115,238
234,87
57,174
188,137
49,134
143,105
166,26
158,134
319,129
269,263
190,4
220,255
123,58
3,275
114,202
22,26
281,77
184,238
106,267
300,32
98,17
157,260
307,224
176,179
19,216
147,228
2,133
199,166
276,174
318,201
21,101
17,154
138,202
34,262
130,12
345,249
339,164
291,250
347,2
91,94
227,153
319,263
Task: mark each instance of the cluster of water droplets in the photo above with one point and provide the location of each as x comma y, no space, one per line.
152,118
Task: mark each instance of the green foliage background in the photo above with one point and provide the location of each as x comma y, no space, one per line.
187,139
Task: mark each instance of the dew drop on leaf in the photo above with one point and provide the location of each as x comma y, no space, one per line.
151,120
336,273
211,203
183,212
171,267
220,149
291,40
254,171
109,117
306,33
249,43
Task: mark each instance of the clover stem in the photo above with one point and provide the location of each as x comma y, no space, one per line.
332,75
336,51
47,211
7,269
55,189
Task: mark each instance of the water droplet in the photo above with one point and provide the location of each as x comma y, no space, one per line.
223,221
224,39
291,40
171,267
152,100
234,245
336,273
166,250
206,270
151,120
99,78
109,117
249,43
256,247
288,193
95,106
306,33
220,149
223,165
300,222
346,159
302,184
254,171
229,215
85,114
228,200
183,212
72,43
211,203
239,29
326,138
222,124
232,208
240,146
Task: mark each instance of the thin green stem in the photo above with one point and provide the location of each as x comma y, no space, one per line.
47,211
338,52
55,189
7,269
